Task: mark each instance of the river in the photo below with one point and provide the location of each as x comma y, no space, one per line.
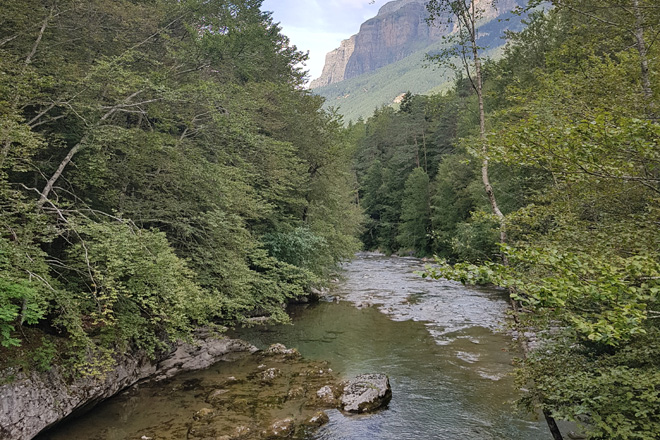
441,344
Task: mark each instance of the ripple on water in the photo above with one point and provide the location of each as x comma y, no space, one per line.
445,306
449,372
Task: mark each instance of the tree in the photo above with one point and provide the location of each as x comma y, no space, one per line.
415,227
635,20
586,283
465,15
177,138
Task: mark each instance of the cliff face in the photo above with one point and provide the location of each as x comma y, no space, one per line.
335,64
34,401
397,31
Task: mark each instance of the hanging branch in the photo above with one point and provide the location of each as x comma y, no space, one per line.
76,148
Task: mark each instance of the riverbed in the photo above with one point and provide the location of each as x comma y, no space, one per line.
443,346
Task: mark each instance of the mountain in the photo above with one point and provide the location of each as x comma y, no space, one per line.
387,56
398,30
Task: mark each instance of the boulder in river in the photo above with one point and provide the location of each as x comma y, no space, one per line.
318,419
366,393
325,397
281,350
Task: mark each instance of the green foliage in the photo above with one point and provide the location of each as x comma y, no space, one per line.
19,303
476,240
452,201
415,226
612,395
44,356
133,287
23,298
298,247
573,145
140,177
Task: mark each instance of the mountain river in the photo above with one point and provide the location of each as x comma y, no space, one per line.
440,343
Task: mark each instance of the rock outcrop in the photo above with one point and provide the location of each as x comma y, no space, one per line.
399,29
30,403
396,32
366,393
335,64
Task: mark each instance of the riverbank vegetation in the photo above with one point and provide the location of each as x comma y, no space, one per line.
573,144
161,168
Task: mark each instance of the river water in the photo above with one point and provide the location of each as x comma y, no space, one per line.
440,343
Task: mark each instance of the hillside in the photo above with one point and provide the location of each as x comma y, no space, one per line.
358,96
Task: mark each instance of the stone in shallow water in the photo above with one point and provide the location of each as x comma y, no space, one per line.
295,392
366,393
270,375
318,419
281,350
216,396
280,429
204,414
326,396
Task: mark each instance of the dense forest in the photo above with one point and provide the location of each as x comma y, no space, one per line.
571,150
161,168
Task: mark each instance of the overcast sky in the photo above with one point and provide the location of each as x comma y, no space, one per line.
318,26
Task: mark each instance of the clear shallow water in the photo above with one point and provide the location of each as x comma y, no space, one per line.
438,341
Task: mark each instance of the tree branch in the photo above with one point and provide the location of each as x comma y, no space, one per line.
74,150
28,60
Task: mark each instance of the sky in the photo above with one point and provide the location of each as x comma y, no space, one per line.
319,26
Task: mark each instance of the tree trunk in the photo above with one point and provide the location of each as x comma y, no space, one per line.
478,86
75,149
552,424
56,175
643,58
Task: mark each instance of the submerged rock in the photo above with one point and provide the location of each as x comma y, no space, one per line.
274,395
318,419
280,429
204,414
201,354
326,396
216,395
366,393
281,350
268,376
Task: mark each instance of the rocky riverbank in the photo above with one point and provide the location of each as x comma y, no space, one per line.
31,402
272,393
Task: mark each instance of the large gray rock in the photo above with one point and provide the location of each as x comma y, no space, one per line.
32,402
201,354
366,393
